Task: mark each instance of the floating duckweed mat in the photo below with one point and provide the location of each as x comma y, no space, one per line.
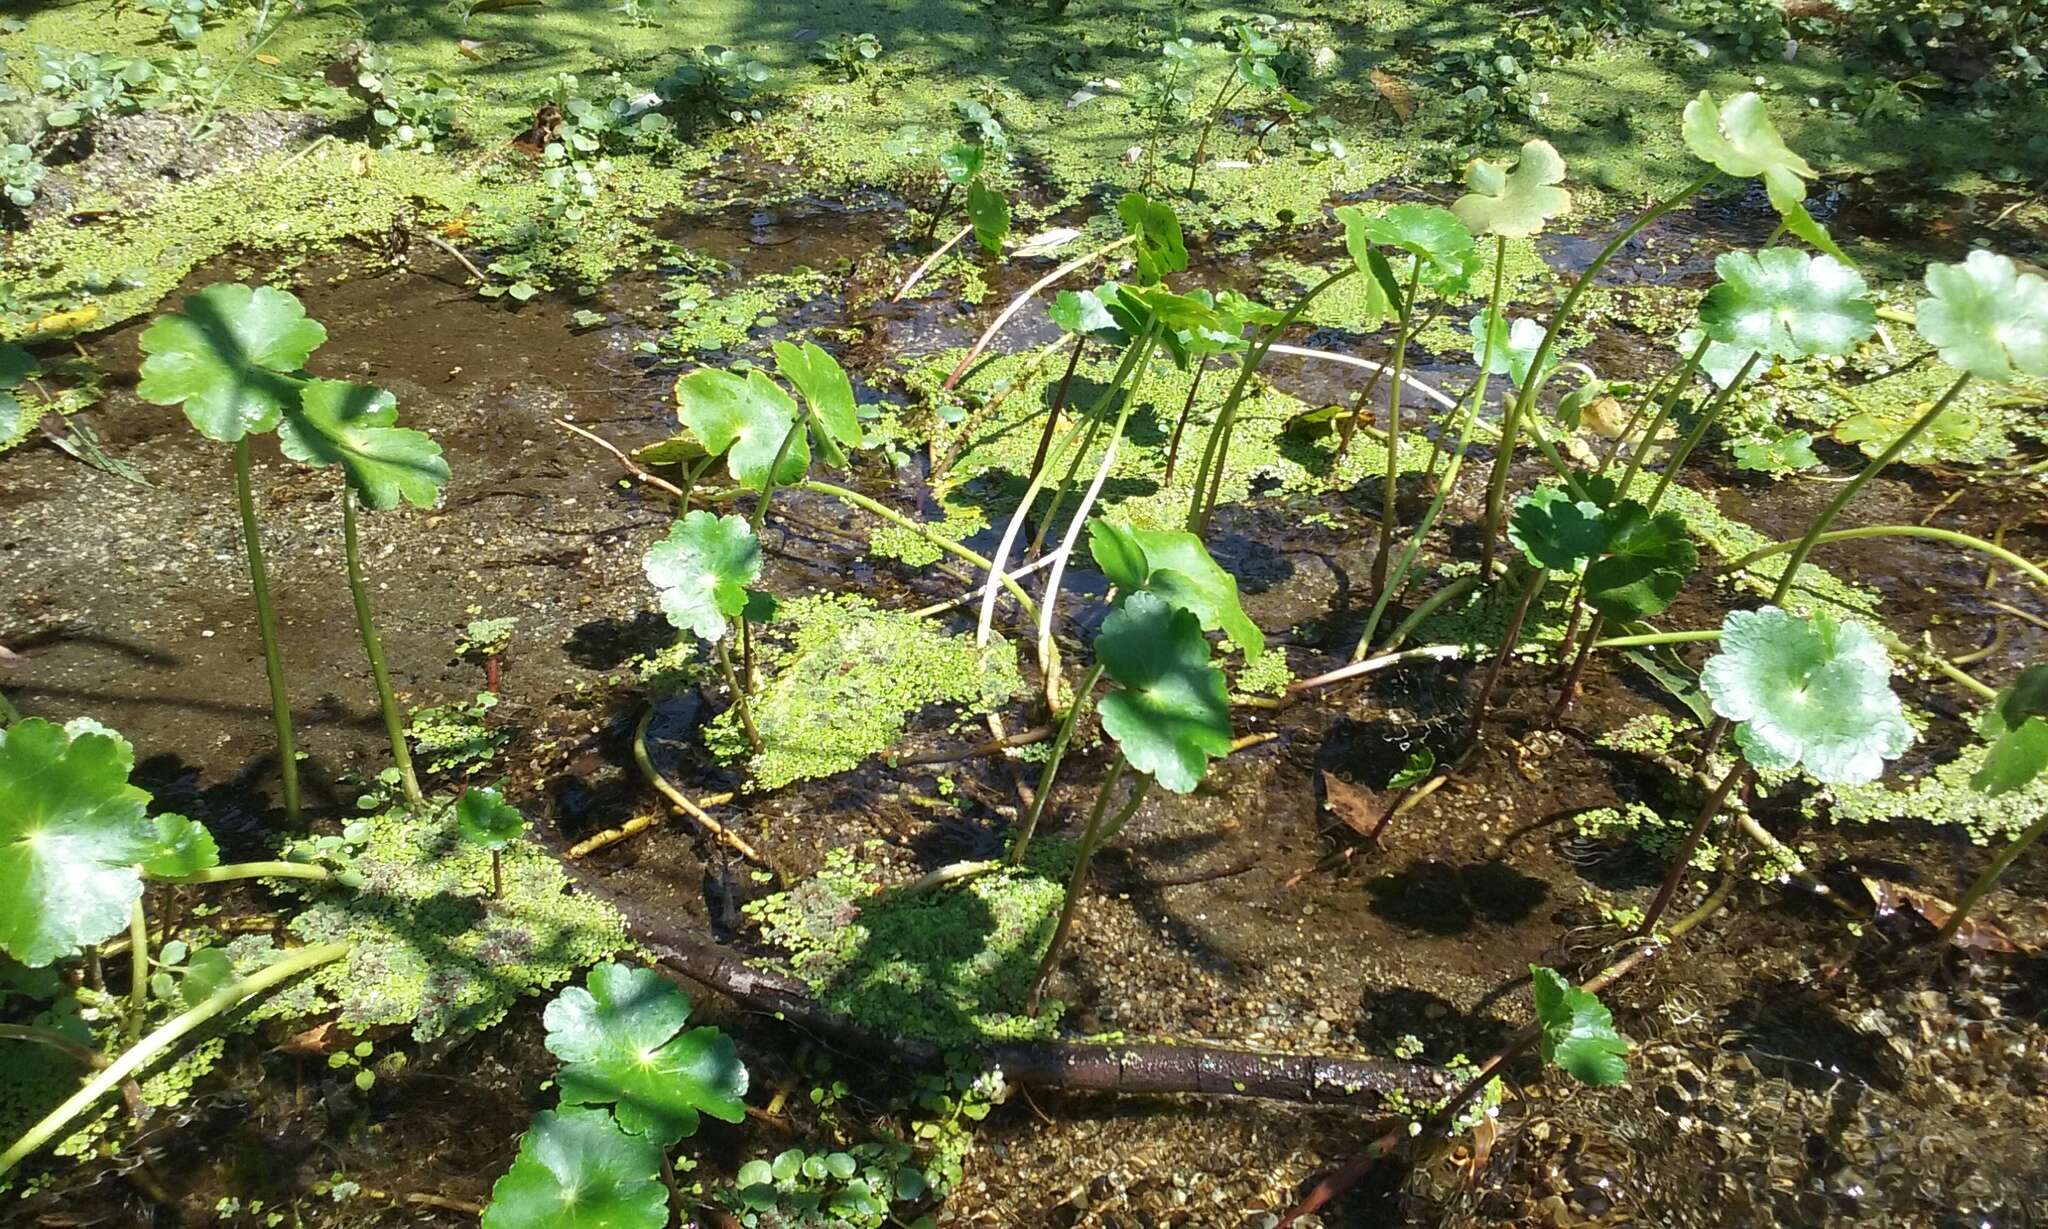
850,679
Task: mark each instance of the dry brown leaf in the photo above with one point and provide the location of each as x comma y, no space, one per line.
1977,932
471,48
1398,93
1605,417
1360,809
323,1038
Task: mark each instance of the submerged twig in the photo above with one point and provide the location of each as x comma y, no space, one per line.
667,789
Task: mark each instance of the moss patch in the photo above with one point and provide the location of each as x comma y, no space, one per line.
950,965
849,680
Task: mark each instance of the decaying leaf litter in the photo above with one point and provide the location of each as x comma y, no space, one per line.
1405,863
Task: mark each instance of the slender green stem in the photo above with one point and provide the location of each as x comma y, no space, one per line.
1697,433
1091,839
84,1056
1503,461
1050,775
1430,605
1476,397
894,517
1648,440
692,474
373,648
1635,642
739,693
1804,546
1989,879
1187,411
138,971
2032,571
249,870
221,1001
266,625
789,439
1509,639
9,715
1391,487
1216,452
1682,859
1059,403
1202,143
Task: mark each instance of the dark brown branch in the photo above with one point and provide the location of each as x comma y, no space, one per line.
1066,1066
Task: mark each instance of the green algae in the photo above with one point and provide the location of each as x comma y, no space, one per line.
844,682
957,523
949,964
1942,797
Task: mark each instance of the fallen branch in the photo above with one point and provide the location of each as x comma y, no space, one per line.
1065,1066
681,802
451,249
917,274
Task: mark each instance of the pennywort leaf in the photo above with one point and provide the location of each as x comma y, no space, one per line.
1738,138
224,358
702,570
1645,564
621,1036
334,422
1787,303
1987,318
744,419
1514,201
183,847
1809,692
1170,715
1176,566
577,1169
990,215
486,820
825,387
2016,726
1160,248
1577,1030
72,833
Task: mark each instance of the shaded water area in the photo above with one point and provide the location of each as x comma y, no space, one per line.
1790,1071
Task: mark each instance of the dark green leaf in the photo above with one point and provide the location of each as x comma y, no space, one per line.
824,386
990,214
1577,1030
744,419
1555,532
486,820
1171,714
1647,561
577,1170
622,1040
1083,312
351,425
1160,249
1176,566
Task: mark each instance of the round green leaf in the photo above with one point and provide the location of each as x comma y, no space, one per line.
223,357
486,820
1987,318
1083,312
1514,203
990,215
1171,715
1786,303
702,570
1175,565
745,419
1556,532
1514,346
1645,565
184,847
1577,1030
2016,725
824,386
620,1040
1808,691
72,833
1429,233
1721,363
577,1170
350,425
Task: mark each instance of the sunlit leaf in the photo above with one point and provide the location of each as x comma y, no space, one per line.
222,357
1556,532
1433,235
745,419
1176,566
486,820
1987,318
1809,692
1787,303
577,1170
1170,715
622,1041
1514,203
1738,138
1083,312
824,386
1515,344
72,833
990,215
1160,248
183,847
962,162
702,570
351,425
1577,1030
